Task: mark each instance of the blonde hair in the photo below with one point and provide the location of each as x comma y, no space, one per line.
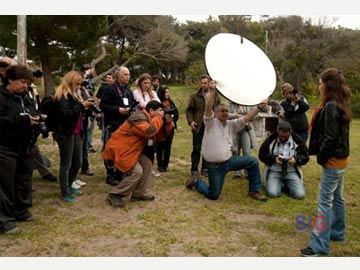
286,87
68,86
143,77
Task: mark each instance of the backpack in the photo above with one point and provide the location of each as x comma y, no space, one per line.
48,106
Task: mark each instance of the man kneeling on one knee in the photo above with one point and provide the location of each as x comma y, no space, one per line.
217,144
283,154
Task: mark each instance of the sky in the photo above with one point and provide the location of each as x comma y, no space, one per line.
346,21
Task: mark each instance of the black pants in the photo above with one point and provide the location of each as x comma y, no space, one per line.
16,168
163,152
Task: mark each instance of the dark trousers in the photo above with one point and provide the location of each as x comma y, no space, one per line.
196,152
16,170
109,164
163,152
70,148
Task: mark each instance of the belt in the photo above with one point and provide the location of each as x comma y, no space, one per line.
216,163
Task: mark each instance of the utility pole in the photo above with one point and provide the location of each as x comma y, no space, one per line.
21,40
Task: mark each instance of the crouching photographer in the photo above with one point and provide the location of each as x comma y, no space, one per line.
283,153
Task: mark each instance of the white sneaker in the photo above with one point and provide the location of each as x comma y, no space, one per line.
75,186
153,173
79,182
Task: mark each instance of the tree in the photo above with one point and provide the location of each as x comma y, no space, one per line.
56,41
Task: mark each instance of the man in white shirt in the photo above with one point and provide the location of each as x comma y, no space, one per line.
216,145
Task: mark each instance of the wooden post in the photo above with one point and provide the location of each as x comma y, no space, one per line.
21,40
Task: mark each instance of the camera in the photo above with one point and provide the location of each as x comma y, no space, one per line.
170,111
247,127
93,107
42,125
293,92
284,166
133,105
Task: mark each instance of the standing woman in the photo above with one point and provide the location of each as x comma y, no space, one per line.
144,93
165,136
329,141
69,132
17,129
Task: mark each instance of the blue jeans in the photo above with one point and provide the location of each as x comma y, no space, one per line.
217,175
196,152
292,180
331,206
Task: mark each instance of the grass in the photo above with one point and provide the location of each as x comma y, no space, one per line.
179,223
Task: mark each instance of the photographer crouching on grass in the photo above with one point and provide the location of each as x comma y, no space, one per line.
125,149
283,154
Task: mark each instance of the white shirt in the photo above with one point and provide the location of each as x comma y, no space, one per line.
217,140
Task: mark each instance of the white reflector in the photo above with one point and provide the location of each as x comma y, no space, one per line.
242,71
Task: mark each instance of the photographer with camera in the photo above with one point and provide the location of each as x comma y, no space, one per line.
89,84
116,102
165,137
293,109
18,122
284,153
245,139
41,163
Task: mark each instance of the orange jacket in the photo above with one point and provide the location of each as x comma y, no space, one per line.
126,144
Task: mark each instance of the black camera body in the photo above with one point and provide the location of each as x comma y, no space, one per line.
170,111
42,125
294,92
133,105
93,107
284,166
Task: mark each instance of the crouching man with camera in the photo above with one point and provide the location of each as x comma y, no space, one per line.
125,149
284,153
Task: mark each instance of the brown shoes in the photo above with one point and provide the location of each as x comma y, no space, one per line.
257,196
190,183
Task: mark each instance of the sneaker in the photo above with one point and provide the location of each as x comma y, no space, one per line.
308,252
13,230
79,182
161,169
76,191
115,200
69,199
143,198
74,185
28,217
87,172
257,196
153,173
49,177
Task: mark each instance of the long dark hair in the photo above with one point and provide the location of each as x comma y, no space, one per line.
161,92
337,90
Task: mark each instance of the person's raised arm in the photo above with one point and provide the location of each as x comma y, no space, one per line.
210,96
250,115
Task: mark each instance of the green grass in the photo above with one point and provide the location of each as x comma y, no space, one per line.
179,222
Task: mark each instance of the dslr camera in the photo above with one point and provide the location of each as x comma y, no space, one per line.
170,111
284,165
133,105
93,107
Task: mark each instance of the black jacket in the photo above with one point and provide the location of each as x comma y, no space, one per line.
297,118
69,112
16,131
329,134
112,99
301,151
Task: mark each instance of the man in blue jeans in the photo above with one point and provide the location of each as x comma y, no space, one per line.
216,147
